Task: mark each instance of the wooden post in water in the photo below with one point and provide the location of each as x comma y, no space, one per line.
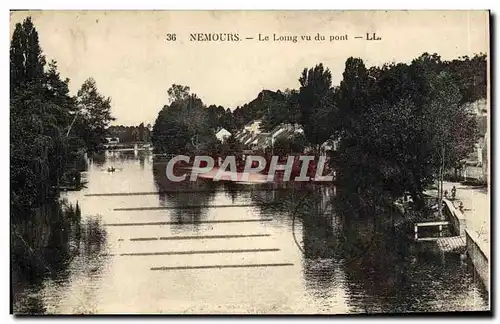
416,232
440,230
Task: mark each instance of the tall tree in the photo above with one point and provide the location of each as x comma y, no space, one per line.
398,126
141,132
40,107
352,98
470,74
183,126
26,59
95,112
354,162
316,104
178,93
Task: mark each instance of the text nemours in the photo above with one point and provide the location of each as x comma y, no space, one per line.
275,37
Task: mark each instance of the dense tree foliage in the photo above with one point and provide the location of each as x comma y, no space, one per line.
280,107
401,125
230,146
130,134
317,104
398,126
273,108
470,75
43,151
290,145
184,125
220,117
93,115
37,107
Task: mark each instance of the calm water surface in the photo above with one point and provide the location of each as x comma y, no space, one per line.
263,250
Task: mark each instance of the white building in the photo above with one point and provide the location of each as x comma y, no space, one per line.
222,134
476,164
252,136
253,127
478,107
285,130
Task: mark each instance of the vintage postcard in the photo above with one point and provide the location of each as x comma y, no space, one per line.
249,162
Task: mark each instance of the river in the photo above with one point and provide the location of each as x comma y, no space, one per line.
151,246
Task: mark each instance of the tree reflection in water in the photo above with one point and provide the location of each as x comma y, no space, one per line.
45,249
375,263
142,159
349,243
320,240
188,199
99,159
231,190
350,247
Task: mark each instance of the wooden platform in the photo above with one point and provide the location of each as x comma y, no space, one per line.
436,223
447,244
439,224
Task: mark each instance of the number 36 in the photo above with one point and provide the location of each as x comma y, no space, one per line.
170,37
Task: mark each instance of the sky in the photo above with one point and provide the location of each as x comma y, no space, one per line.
126,52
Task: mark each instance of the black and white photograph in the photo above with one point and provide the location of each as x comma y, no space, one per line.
221,162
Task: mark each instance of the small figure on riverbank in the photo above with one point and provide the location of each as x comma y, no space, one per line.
453,193
446,194
461,207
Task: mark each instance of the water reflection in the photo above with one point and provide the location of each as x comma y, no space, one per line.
188,200
142,159
45,250
353,247
231,190
344,254
99,159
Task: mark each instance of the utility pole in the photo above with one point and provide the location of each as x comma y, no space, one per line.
71,125
441,179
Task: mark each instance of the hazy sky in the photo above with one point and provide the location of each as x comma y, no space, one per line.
126,52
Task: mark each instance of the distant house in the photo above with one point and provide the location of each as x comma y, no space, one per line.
253,126
264,140
476,157
239,135
485,158
478,107
277,130
252,136
285,131
482,126
476,164
482,149
222,134
251,139
244,137
330,145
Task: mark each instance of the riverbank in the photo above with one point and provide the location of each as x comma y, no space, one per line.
476,210
159,234
476,224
